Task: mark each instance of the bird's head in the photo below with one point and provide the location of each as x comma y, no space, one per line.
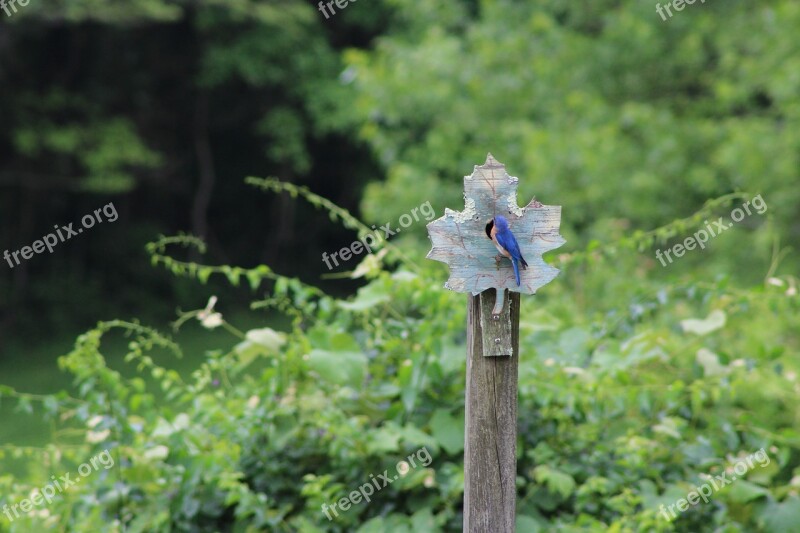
501,223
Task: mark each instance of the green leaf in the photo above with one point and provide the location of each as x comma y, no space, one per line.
248,351
743,491
342,368
671,426
710,363
267,337
157,453
394,523
368,297
556,481
386,439
416,437
24,406
232,274
376,525
712,322
344,342
448,430
423,520
254,278
407,378
528,524
782,517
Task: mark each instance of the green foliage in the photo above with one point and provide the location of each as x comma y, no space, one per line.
106,151
621,411
143,100
635,383
335,213
254,276
605,109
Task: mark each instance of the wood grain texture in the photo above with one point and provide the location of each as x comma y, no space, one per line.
459,238
490,464
496,328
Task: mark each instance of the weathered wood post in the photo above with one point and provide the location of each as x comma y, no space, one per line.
460,239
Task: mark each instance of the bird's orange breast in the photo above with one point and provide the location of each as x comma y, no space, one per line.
497,244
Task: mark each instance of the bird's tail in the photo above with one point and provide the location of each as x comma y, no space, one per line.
515,264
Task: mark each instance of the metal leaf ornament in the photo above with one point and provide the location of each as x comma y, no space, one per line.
460,237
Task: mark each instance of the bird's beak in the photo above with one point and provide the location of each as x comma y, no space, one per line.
489,227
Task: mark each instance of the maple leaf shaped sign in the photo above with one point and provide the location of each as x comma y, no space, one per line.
459,237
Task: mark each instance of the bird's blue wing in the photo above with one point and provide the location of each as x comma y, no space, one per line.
509,242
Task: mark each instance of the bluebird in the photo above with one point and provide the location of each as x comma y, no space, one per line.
506,243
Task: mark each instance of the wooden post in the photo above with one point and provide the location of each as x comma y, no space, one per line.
490,449
460,239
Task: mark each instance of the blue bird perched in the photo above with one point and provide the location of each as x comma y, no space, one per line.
506,243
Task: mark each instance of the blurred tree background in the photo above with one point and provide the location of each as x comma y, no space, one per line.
630,122
163,108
